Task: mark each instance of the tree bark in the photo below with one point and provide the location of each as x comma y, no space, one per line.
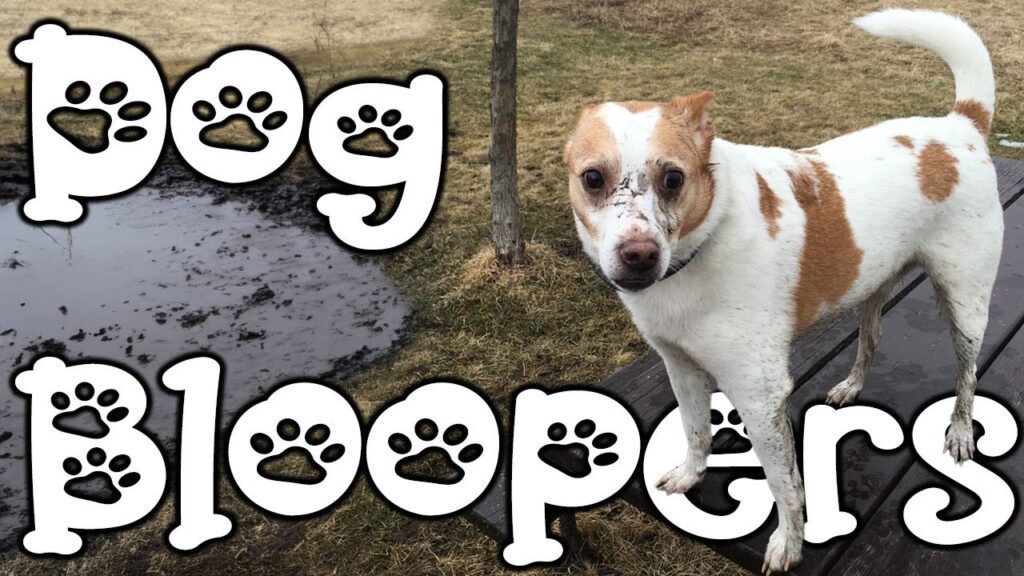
509,245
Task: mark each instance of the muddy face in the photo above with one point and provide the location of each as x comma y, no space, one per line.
640,185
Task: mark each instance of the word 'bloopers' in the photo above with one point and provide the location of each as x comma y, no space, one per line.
455,423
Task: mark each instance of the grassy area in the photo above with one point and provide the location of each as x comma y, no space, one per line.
788,73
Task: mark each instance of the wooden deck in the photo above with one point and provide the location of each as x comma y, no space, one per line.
913,366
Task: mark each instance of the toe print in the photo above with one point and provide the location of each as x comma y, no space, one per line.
97,478
87,412
576,454
440,457
89,121
370,134
294,455
728,434
237,123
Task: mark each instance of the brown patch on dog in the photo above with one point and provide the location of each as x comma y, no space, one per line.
769,206
937,172
682,140
971,147
637,106
976,113
808,151
831,258
904,141
592,145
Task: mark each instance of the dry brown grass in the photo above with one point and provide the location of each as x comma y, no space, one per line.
787,73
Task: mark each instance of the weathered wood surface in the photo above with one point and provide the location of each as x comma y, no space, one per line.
913,366
883,542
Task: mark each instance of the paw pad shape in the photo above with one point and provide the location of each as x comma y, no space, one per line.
254,120
86,412
728,434
308,452
386,129
577,453
437,459
86,119
99,479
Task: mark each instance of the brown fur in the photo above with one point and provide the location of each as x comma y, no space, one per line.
904,141
684,135
937,172
769,206
976,112
591,140
831,258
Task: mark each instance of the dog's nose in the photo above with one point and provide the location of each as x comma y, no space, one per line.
639,255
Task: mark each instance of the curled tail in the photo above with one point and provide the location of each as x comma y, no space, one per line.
954,41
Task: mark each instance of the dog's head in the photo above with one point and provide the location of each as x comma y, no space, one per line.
641,186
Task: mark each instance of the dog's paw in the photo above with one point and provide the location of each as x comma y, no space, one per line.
960,441
844,393
783,553
680,479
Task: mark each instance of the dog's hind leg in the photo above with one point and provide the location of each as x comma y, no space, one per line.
963,287
870,331
692,387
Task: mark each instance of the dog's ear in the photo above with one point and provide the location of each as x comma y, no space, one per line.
694,108
584,112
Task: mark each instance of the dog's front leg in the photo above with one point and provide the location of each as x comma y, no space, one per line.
692,387
762,398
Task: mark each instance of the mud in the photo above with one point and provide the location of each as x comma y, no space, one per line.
179,266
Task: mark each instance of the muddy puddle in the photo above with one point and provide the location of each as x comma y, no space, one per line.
152,275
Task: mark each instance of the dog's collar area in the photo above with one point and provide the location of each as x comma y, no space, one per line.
674,268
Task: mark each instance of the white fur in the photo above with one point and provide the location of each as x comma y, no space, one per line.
727,319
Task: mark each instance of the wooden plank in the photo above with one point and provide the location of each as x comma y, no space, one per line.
1011,178
883,545
644,387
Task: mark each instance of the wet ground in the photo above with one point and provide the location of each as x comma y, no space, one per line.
177,267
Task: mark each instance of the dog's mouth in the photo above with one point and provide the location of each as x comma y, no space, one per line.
634,284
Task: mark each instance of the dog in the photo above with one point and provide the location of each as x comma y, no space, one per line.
724,253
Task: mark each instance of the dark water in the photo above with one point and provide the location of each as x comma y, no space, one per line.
152,275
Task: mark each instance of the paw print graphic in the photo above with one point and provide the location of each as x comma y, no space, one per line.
86,413
294,456
385,130
730,444
89,121
434,451
297,451
575,455
434,459
239,118
230,125
99,479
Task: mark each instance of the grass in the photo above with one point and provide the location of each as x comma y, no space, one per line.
789,73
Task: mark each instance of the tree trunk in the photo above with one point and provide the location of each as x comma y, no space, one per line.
509,245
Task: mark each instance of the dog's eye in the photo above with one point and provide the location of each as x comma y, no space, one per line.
593,179
672,180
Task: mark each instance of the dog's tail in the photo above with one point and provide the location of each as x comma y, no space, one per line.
954,41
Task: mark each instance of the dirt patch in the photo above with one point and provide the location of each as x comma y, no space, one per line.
154,274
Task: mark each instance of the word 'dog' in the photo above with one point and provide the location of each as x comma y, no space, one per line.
455,423
108,77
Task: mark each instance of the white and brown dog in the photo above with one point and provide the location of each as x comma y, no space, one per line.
724,253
